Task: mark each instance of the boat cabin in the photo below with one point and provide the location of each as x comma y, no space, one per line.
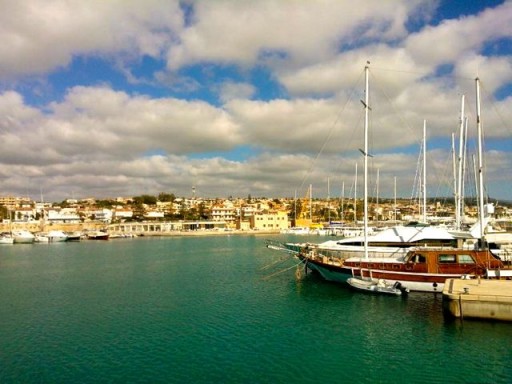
431,261
445,260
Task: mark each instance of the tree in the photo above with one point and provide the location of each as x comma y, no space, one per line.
4,212
203,214
166,197
145,199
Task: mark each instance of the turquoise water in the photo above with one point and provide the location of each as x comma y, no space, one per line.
202,310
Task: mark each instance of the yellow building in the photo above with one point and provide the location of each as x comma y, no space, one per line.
269,221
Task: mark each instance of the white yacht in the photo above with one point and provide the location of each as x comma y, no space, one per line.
6,238
56,236
23,236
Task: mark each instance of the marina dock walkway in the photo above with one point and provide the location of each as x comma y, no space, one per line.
478,298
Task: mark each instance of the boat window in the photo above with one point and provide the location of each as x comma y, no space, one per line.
417,259
466,259
446,258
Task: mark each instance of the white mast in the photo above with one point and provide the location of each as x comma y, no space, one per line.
458,214
311,203
394,208
329,201
464,165
378,176
295,208
480,160
455,199
366,109
355,198
424,184
342,200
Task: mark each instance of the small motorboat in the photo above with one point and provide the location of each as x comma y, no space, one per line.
379,286
6,239
98,235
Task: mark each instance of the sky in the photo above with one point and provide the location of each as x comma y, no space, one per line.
258,98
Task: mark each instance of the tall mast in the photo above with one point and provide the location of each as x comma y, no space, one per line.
366,110
355,198
329,201
311,203
394,192
295,208
480,160
458,216
342,200
378,176
455,198
424,184
464,165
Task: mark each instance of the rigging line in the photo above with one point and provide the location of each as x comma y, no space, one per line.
281,271
483,136
422,74
278,261
338,117
443,180
348,142
417,177
500,116
388,99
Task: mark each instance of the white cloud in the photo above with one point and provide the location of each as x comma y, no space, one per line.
450,40
231,90
39,37
107,141
231,31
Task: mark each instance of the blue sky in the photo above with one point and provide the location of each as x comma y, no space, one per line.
234,98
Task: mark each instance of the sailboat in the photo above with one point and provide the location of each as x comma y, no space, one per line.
397,240
420,269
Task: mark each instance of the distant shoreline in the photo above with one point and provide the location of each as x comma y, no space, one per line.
94,226
203,233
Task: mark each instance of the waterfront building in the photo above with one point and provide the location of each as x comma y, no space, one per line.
275,220
153,215
62,215
223,213
103,215
122,214
24,214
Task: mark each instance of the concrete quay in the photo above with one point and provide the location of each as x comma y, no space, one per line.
478,298
139,229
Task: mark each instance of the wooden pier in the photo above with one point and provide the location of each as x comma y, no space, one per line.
478,298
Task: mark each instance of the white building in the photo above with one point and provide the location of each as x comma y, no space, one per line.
154,215
62,215
227,214
104,215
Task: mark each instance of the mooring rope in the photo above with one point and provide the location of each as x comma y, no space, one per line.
274,263
281,271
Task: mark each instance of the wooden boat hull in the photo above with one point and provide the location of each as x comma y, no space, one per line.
425,276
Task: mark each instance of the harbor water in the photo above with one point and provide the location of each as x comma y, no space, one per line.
221,309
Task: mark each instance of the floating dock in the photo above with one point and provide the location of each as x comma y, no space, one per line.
478,298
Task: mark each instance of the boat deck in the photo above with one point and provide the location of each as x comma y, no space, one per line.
478,298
